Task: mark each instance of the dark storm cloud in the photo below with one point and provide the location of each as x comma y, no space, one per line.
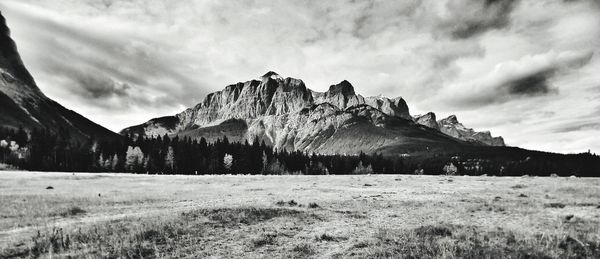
95,86
532,84
474,17
529,77
99,86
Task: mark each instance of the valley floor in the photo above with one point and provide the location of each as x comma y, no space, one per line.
364,216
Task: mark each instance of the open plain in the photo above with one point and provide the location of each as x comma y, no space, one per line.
81,215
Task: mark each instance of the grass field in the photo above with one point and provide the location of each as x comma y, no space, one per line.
62,215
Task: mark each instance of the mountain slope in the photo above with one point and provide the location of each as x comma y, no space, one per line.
23,104
284,113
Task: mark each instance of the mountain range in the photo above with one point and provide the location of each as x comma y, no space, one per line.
285,114
22,104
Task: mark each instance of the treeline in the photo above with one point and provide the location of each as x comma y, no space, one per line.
42,150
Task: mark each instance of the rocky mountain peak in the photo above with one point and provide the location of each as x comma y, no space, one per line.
10,60
344,88
396,107
271,75
341,95
399,101
427,120
451,119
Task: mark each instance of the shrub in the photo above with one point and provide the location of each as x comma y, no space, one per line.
304,249
555,205
263,240
325,237
73,211
425,231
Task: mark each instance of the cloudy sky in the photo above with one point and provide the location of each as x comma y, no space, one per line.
528,70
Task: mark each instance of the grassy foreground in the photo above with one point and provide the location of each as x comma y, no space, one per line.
56,215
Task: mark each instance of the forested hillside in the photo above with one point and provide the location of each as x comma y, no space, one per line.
46,151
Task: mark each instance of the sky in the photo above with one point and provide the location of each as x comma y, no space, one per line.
528,70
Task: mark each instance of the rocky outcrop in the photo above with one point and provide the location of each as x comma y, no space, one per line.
427,120
343,96
450,126
23,104
393,107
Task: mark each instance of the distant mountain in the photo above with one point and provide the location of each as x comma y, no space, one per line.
284,113
23,104
450,126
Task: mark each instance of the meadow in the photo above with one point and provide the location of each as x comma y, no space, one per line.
65,215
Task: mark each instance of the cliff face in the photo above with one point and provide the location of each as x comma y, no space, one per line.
23,104
343,96
427,120
284,113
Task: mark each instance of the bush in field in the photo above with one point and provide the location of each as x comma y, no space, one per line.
73,211
263,240
304,250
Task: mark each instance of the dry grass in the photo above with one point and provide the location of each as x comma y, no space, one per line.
453,241
297,216
163,237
